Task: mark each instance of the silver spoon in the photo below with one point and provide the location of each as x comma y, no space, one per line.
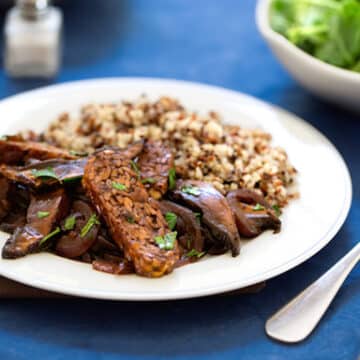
297,319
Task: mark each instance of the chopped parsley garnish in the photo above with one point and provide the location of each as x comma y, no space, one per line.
70,179
130,220
258,207
70,222
198,217
188,243
277,210
148,180
167,242
195,253
93,220
78,153
42,214
50,235
118,186
191,190
172,179
45,173
171,219
135,168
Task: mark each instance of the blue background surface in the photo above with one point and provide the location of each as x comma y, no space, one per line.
214,42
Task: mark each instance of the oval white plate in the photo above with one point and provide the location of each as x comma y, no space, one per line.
308,223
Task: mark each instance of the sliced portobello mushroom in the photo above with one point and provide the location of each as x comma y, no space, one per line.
40,174
15,151
187,225
81,231
44,212
217,220
253,214
113,265
45,173
4,200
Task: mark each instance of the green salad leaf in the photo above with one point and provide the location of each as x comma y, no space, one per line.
326,29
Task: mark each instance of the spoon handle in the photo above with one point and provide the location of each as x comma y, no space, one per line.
297,319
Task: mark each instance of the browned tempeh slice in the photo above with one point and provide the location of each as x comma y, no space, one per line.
133,217
155,161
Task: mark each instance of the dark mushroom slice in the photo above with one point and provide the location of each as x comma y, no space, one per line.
45,173
154,164
18,200
4,200
76,241
217,218
133,218
13,220
116,266
16,152
253,214
105,244
39,174
44,212
187,225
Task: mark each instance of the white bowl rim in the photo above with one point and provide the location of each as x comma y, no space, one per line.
262,21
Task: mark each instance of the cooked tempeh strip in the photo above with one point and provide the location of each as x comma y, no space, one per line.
133,217
155,162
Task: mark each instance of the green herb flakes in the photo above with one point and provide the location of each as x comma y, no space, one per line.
93,220
49,236
171,219
42,214
45,173
167,242
191,190
172,179
148,180
135,168
195,253
71,179
70,222
118,186
188,243
130,220
198,217
258,207
277,210
78,153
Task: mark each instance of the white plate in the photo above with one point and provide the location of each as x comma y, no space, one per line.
308,223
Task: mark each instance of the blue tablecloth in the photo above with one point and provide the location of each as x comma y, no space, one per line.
214,42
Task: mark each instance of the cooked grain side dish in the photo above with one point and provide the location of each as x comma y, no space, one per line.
228,157
140,187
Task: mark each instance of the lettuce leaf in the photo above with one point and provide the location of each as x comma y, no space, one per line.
327,29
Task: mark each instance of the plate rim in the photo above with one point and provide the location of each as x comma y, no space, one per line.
227,286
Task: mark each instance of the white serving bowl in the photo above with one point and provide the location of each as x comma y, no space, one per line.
324,80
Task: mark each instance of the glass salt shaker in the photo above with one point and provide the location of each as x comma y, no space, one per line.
33,39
